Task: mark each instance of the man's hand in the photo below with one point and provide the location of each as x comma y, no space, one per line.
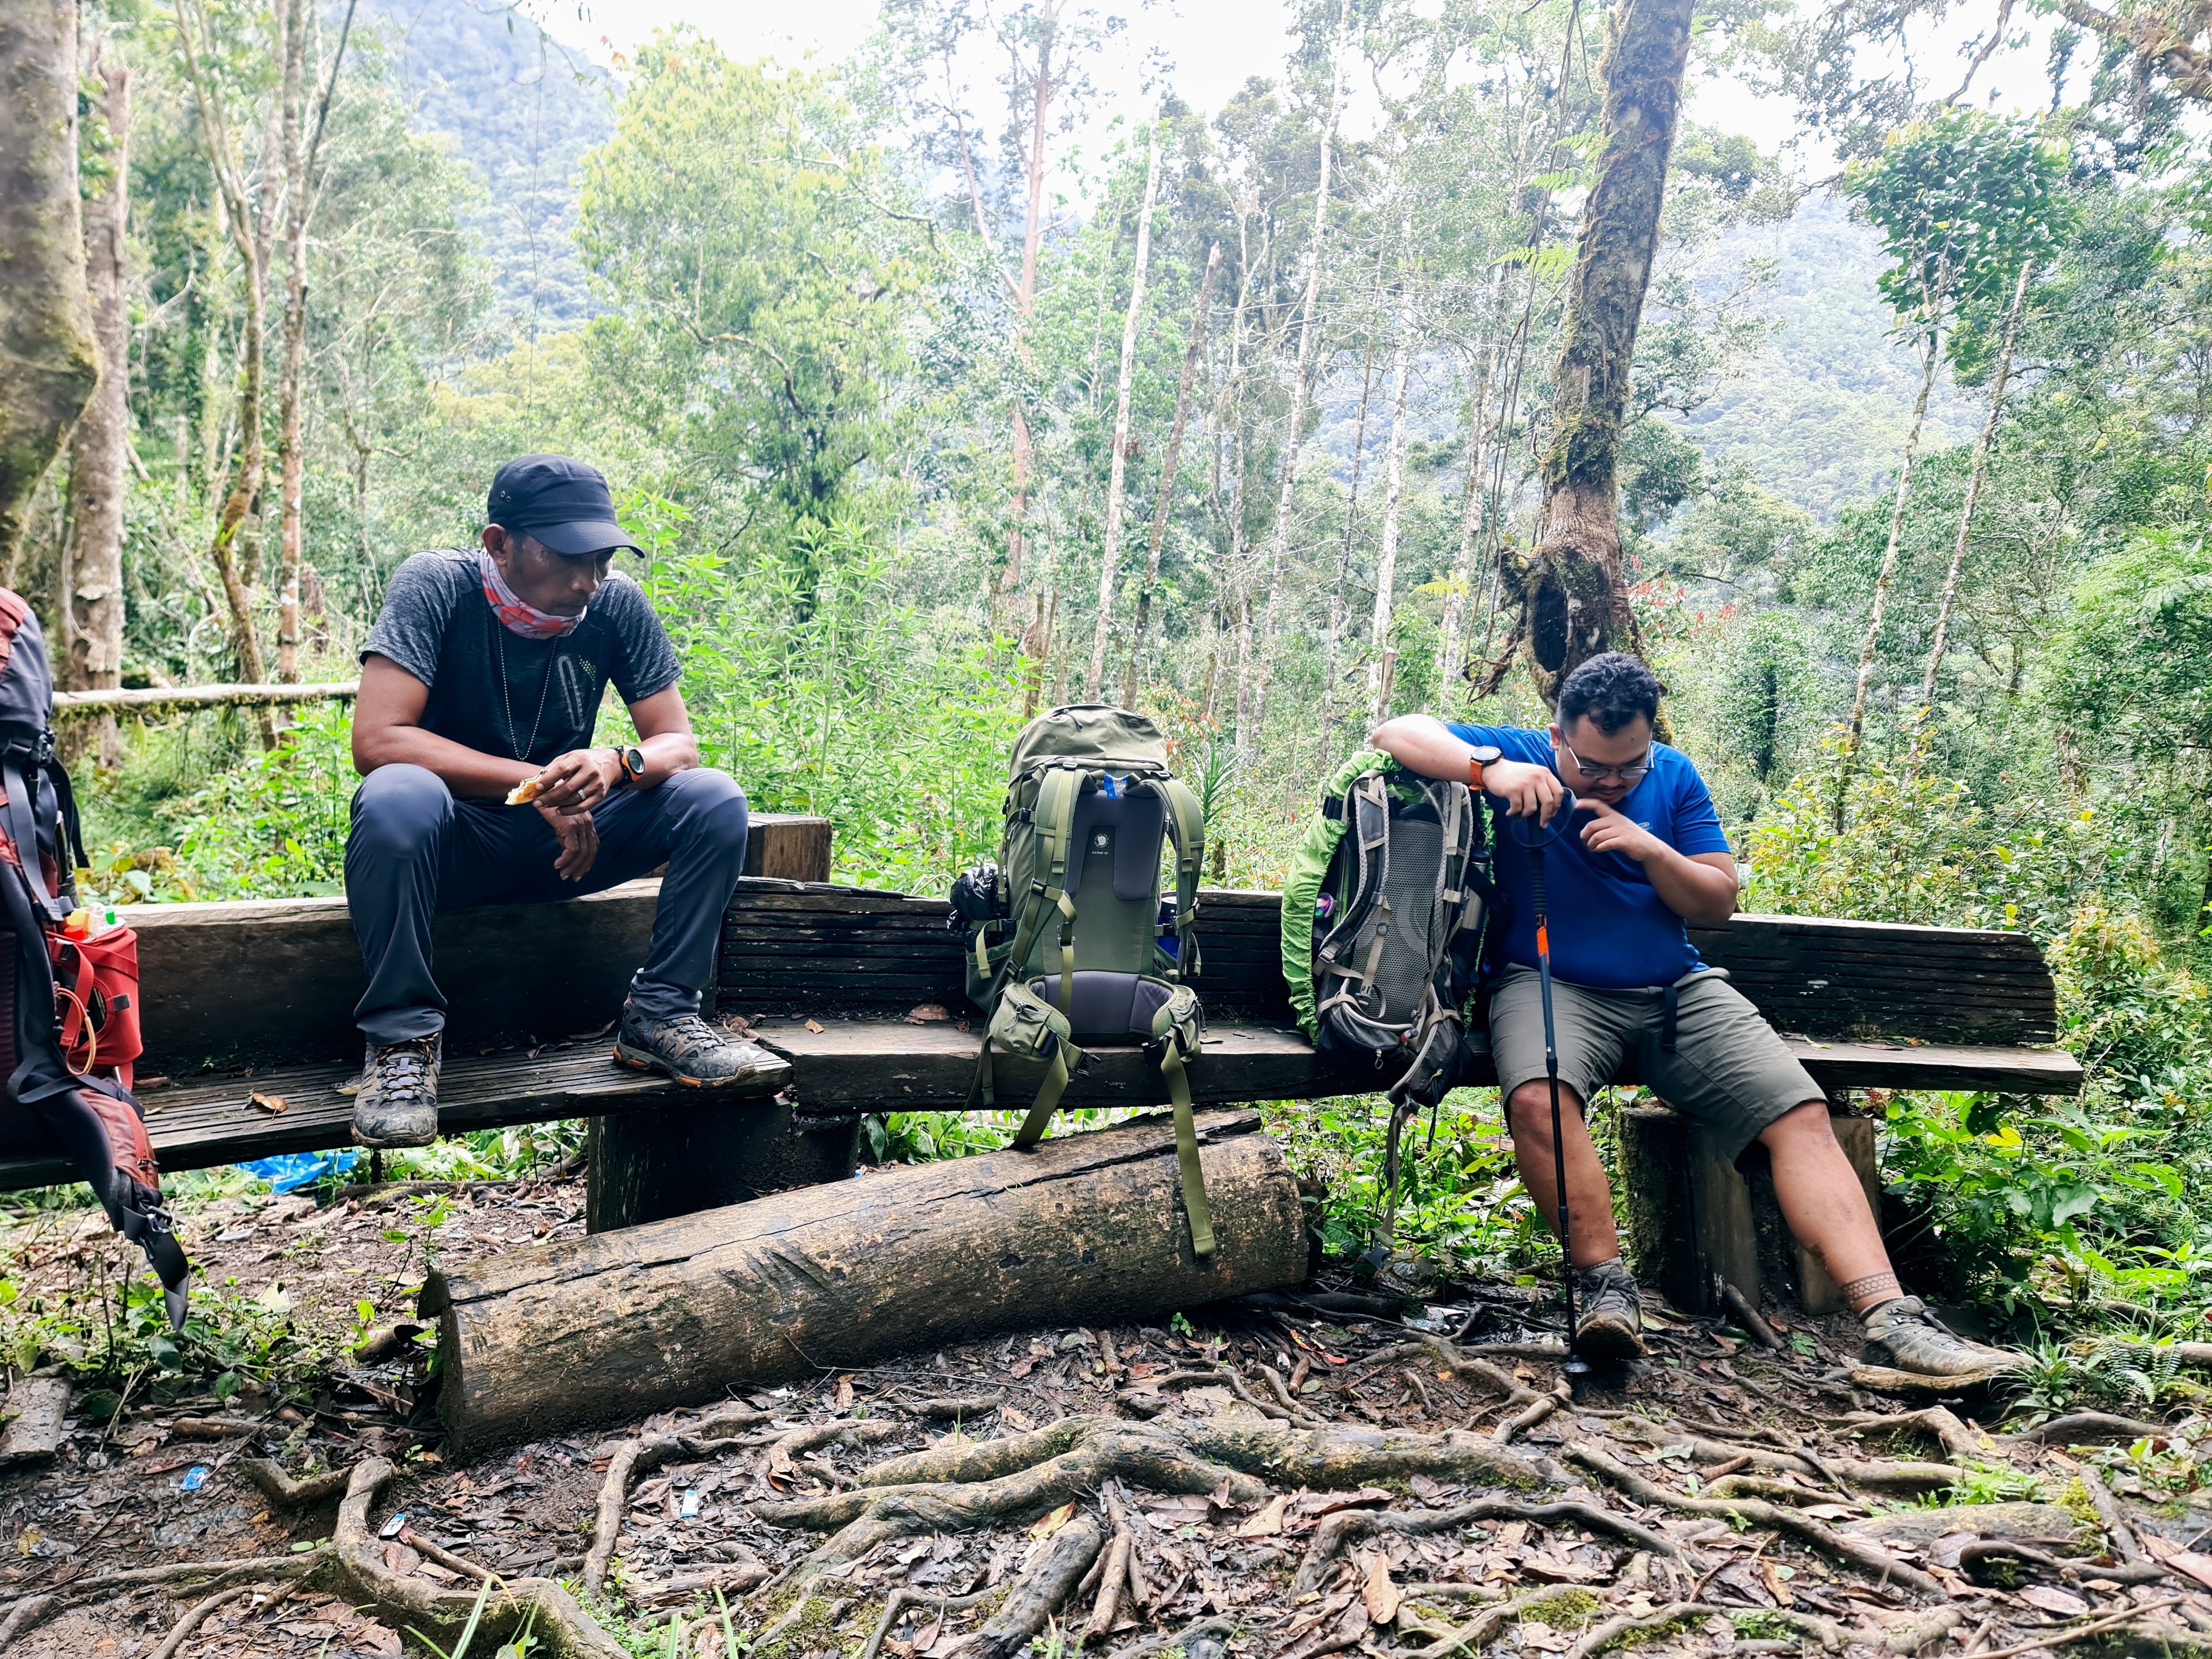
577,781
579,842
1529,791
1609,832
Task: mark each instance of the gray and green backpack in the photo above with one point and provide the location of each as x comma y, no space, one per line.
1383,924
1072,943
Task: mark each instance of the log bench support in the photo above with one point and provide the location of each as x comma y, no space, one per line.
1693,1215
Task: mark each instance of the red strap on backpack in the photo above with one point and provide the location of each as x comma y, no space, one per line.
96,1002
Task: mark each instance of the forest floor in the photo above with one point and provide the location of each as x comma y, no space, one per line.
1248,1479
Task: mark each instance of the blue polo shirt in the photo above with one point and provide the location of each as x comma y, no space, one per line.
1610,929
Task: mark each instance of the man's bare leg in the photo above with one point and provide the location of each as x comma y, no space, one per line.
1589,1199
1824,1206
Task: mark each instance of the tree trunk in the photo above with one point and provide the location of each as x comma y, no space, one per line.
1025,288
92,657
1394,487
1854,732
2003,373
49,359
1109,569
1333,658
1574,597
1086,1227
1169,465
1248,738
1451,644
249,234
298,205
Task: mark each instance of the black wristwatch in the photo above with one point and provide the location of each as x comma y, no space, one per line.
1480,755
631,760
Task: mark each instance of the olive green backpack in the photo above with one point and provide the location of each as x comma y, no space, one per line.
1069,942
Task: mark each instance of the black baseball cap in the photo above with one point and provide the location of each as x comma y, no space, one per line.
563,502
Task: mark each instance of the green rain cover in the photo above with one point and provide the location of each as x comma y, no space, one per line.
1309,869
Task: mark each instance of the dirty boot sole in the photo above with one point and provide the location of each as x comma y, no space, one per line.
644,1060
1608,1339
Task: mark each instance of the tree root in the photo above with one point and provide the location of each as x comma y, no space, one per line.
2006,1549
961,1487
1348,1526
632,1458
1047,1581
563,1630
30,1609
285,1492
1932,1625
1114,1578
2125,1546
1860,1552
2086,1428
1883,1475
194,1615
2056,1639
951,1409
901,1599
1632,1624
1222,1628
1938,1422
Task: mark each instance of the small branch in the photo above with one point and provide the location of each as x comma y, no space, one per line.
193,1616
1740,1305
2125,1546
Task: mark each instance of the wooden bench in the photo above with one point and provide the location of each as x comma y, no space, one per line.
861,997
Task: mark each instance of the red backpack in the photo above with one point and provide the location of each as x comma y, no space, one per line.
68,1051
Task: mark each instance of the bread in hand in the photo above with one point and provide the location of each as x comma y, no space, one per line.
525,792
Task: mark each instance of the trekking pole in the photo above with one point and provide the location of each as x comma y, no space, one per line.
1576,1367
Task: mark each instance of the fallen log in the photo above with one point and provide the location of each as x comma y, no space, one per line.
1087,1228
166,699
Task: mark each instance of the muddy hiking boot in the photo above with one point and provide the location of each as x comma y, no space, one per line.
1904,1336
1608,1315
396,1102
688,1048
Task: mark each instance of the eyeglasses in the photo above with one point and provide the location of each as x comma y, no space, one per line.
1630,775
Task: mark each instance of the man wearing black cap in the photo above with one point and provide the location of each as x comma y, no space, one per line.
483,674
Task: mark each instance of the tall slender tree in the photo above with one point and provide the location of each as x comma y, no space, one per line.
1109,568
1394,476
90,656
49,359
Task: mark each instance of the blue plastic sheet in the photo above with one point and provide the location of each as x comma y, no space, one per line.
289,1170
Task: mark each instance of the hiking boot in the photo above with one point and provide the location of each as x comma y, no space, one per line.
396,1102
1609,1314
686,1048
1904,1336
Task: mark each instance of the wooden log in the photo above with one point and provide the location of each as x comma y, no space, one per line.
1090,1227
167,699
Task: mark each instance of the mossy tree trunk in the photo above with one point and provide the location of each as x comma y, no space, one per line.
49,360
1574,593
89,654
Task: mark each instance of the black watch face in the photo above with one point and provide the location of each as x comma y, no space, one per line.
633,760
1487,753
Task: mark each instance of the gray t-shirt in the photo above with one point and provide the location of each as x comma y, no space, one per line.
499,693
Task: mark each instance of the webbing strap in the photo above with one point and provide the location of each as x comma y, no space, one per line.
1054,818
1194,1174
1066,956
1048,1099
23,829
979,1092
1187,823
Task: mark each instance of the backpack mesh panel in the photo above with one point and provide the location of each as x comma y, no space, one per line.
1410,950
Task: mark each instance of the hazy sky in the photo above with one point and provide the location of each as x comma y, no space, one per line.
1217,45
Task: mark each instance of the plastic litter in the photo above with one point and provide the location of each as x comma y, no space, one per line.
195,1478
288,1170
394,1527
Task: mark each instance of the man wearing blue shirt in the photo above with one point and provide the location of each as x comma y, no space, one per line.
1642,857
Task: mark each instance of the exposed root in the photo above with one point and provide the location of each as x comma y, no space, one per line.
2126,1548
1348,1526
1932,1625
96,1586
971,1483
1973,1558
1632,1624
1114,1576
1937,1422
283,1491
563,1630
2088,1429
194,1615
1860,1552
2072,1633
901,1599
1047,1581
1188,1639
951,1409
635,1457
1883,1475
432,1551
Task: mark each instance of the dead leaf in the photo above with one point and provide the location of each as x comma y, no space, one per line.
845,1393
1053,1522
1381,1595
1511,1535
2062,1602
1725,1344
272,1104
1013,1418
1776,1586
814,1026
1269,1521
2171,1554
401,1560
432,1570
928,1013
1021,1367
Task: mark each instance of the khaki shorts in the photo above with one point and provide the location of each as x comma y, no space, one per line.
1729,1070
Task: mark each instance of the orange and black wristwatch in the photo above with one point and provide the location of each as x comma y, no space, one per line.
1479,756
630,759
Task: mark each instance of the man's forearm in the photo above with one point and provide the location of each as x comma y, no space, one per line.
1422,743
467,772
665,754
1696,892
